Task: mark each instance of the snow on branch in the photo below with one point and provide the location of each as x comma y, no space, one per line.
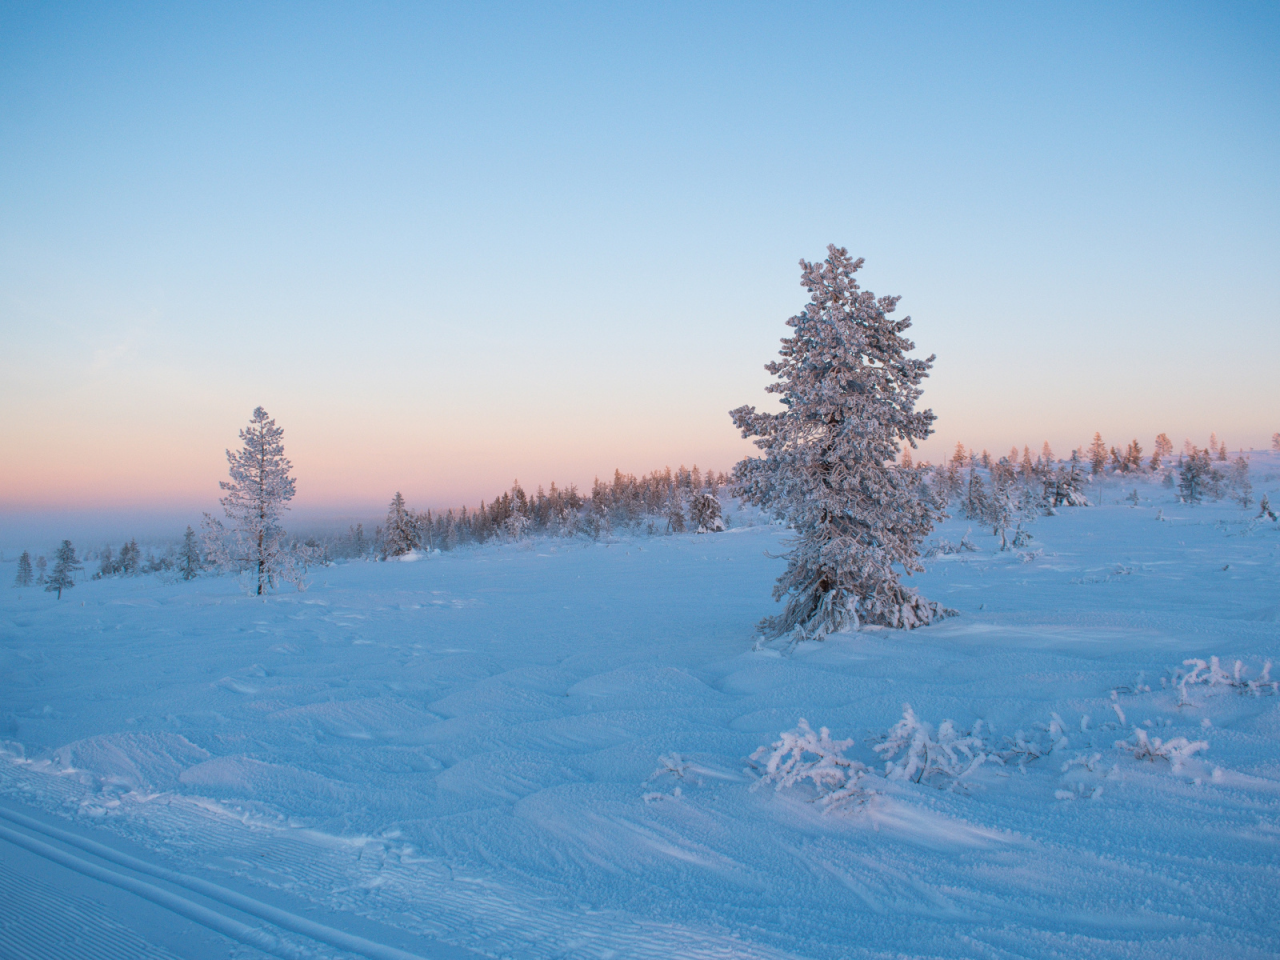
801,755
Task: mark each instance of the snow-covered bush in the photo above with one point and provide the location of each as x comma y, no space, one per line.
913,751
1212,675
1177,751
942,548
802,754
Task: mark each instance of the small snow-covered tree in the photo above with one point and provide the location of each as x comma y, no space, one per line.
1163,448
24,577
1238,482
675,512
65,566
130,559
189,557
1275,441
705,513
1264,510
258,494
848,392
975,498
398,536
1194,475
1097,454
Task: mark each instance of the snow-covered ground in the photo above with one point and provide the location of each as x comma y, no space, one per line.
460,756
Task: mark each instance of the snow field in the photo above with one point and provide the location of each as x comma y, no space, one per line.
540,749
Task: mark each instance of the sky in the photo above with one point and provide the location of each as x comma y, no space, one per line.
449,246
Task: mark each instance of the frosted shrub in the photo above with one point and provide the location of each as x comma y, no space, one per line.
945,548
913,751
1022,748
802,754
1213,675
1177,750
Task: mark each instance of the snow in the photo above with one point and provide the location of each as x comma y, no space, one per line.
539,749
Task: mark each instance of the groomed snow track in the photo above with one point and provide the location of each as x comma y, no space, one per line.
200,901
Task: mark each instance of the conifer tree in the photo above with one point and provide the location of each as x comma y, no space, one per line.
64,569
258,494
1241,488
23,579
1097,454
1194,475
130,558
1163,448
189,558
398,535
848,392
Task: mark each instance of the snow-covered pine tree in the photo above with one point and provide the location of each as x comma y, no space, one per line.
130,558
189,557
106,563
23,579
398,534
1275,441
675,512
1164,447
1238,482
705,513
848,392
1001,503
41,566
257,497
1133,458
1194,475
975,498
1264,510
65,566
1097,454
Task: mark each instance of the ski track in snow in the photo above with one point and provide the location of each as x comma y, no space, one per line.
458,756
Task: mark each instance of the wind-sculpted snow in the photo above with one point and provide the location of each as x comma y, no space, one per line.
541,750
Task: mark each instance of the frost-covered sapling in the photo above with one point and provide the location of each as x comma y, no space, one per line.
848,393
913,751
64,569
1177,750
1211,674
1264,509
258,494
1022,748
24,577
801,755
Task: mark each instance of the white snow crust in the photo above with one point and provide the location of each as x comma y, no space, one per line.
540,749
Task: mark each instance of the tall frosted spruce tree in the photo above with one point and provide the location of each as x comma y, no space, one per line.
848,394
257,497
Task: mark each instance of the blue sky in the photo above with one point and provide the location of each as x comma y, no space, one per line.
449,246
